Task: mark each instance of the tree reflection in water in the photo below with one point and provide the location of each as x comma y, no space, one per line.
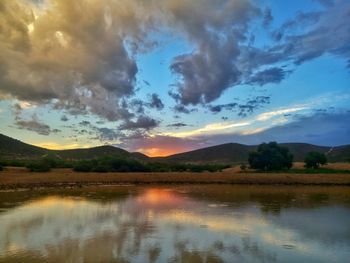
176,224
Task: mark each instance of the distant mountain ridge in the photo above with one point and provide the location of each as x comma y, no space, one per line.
225,153
14,149
237,153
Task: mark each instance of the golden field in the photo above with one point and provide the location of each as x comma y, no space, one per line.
21,178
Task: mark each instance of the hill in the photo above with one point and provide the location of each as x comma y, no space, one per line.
225,153
237,153
14,149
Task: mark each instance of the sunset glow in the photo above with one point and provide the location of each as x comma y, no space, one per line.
176,75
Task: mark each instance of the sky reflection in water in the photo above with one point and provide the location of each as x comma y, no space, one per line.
176,224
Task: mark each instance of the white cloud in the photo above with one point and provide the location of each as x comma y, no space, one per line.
268,115
213,127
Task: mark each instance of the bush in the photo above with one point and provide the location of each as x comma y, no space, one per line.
83,166
315,160
38,166
1,168
270,157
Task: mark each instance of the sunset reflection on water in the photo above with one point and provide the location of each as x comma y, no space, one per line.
176,224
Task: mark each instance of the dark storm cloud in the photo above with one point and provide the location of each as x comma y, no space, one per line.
142,122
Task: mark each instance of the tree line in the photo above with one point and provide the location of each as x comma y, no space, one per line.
111,164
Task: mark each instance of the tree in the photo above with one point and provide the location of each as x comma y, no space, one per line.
314,160
270,156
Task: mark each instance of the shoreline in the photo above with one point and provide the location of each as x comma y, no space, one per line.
64,178
81,185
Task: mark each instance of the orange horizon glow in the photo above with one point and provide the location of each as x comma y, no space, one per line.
151,152
161,152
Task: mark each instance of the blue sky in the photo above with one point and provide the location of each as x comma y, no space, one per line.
168,77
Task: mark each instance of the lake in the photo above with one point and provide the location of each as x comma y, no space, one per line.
193,223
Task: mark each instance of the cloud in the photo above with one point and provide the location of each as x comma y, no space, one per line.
319,129
268,115
142,122
216,32
107,134
315,40
64,118
182,109
267,17
81,56
85,123
156,102
177,125
74,53
34,125
271,75
207,129
220,107
243,109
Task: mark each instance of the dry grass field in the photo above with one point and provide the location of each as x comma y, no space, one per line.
21,178
335,166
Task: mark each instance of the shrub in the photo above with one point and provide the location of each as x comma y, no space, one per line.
1,168
38,166
270,157
83,166
314,160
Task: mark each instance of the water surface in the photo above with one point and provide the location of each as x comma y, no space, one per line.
176,224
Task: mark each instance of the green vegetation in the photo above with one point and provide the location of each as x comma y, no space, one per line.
270,157
1,168
38,166
315,160
115,164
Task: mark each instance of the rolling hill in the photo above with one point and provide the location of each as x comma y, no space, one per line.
237,153
14,149
225,153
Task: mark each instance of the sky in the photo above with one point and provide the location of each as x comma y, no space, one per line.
162,77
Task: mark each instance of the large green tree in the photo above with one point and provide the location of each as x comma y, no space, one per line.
271,156
314,160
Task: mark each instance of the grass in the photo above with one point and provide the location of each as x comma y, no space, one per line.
308,171
21,178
